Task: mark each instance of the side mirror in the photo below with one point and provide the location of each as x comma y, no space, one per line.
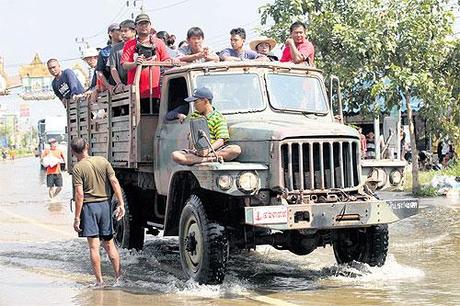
199,131
201,137
335,84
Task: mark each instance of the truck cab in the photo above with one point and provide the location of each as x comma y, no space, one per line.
297,184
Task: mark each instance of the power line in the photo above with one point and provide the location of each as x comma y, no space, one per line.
120,12
28,63
166,6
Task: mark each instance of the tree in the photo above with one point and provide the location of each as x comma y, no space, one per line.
388,50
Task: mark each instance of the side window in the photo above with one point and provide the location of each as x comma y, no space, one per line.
177,92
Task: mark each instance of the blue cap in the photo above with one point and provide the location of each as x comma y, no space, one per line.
200,93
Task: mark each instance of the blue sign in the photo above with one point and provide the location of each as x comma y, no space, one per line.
3,142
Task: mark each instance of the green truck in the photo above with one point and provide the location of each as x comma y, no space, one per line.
296,186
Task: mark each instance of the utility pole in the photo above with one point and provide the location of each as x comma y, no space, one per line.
81,42
135,4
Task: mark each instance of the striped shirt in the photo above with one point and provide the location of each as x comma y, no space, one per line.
217,125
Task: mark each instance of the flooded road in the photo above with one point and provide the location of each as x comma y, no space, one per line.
43,263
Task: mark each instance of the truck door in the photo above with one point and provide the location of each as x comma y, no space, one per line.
171,135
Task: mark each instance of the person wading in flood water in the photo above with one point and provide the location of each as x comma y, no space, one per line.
52,159
92,177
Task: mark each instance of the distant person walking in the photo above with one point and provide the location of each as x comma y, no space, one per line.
51,159
12,153
92,178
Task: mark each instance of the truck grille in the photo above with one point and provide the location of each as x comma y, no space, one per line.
320,164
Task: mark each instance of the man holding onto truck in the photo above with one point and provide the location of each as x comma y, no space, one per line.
52,159
65,84
128,32
219,136
93,176
298,49
143,49
195,51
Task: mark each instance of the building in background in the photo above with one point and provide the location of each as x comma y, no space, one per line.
82,74
3,78
36,81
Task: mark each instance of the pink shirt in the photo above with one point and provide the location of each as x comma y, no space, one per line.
306,48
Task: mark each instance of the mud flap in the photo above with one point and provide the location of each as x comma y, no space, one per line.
404,208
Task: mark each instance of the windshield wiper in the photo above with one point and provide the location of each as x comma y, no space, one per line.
314,113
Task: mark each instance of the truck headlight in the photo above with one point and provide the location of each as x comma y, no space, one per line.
225,182
395,177
247,182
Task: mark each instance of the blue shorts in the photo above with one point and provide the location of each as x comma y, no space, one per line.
96,220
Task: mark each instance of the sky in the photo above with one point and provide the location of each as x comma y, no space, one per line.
50,27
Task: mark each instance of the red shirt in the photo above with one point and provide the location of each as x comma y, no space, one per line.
128,56
306,48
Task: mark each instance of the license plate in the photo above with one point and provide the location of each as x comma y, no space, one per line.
270,215
403,208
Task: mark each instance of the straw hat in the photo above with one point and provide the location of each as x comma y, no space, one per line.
254,43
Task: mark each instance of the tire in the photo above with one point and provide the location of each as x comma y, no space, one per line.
367,245
127,234
203,245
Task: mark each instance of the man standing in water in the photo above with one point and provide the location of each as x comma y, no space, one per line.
52,159
92,178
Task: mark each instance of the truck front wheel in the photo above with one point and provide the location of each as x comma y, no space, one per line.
203,244
127,233
367,245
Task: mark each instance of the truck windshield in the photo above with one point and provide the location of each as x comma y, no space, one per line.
296,93
234,93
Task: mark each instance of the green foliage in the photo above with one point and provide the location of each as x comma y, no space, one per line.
383,51
426,191
377,48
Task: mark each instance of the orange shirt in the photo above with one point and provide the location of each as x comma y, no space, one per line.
58,154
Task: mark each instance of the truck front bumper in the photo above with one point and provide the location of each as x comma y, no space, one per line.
330,215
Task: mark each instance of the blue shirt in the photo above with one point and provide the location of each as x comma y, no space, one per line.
67,85
244,55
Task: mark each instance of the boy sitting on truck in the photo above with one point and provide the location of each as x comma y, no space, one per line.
202,100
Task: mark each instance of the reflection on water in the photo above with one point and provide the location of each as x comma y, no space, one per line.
422,266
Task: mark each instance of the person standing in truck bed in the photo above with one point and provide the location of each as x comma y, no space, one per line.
144,48
65,84
298,49
119,74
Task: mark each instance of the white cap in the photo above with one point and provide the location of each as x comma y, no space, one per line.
89,52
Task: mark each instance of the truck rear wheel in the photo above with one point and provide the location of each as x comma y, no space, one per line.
367,245
203,244
127,234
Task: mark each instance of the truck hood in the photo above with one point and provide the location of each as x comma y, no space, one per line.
263,130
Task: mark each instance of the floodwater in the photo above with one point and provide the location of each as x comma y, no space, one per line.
43,263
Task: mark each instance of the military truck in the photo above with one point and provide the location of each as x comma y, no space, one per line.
296,185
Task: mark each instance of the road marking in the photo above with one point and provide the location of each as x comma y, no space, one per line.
36,223
267,300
